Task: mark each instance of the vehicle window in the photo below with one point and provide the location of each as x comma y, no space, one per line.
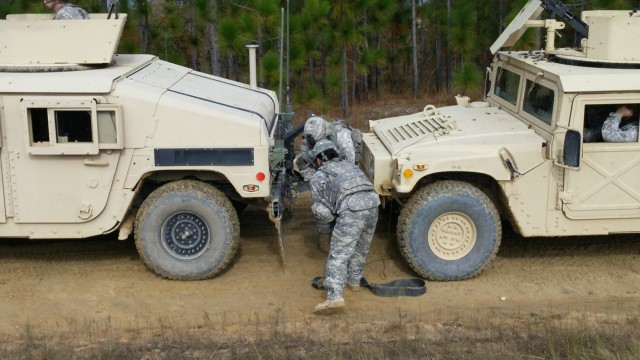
38,126
107,127
507,84
73,126
596,115
539,101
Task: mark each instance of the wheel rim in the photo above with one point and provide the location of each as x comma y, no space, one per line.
185,235
452,235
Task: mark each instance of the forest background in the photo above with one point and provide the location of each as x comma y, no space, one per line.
340,52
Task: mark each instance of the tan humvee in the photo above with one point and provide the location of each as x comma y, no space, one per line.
94,142
518,156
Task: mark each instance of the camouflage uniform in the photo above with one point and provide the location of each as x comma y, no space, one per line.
71,12
317,128
342,140
340,189
612,132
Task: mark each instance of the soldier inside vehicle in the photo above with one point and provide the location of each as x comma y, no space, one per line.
611,123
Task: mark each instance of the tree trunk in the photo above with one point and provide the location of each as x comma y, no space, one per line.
345,83
193,47
212,24
377,71
438,62
501,17
365,77
312,70
414,42
143,29
354,74
448,64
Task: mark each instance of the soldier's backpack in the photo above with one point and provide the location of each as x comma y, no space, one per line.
356,136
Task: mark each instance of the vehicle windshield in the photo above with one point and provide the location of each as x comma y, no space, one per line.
539,101
507,84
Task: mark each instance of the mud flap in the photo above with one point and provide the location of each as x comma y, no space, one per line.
276,212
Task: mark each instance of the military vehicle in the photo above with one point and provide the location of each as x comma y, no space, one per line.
95,142
517,156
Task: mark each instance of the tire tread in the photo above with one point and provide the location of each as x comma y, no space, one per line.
205,191
424,196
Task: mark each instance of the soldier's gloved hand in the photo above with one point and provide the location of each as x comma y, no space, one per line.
301,163
304,167
322,213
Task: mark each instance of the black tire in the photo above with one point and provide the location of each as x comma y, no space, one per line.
187,230
449,230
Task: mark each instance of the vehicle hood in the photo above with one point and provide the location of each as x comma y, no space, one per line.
452,126
222,96
457,133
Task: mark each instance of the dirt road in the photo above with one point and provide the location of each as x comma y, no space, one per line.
61,286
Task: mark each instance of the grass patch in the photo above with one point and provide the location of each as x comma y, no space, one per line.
530,336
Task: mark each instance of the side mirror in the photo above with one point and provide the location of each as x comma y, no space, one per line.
571,150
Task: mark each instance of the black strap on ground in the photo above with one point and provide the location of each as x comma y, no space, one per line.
400,287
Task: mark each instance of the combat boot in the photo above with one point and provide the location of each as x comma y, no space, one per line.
329,306
324,242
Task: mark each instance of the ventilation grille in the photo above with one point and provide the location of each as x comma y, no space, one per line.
419,128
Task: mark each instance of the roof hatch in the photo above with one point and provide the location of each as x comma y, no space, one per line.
27,40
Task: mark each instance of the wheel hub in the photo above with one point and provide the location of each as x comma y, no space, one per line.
185,236
452,235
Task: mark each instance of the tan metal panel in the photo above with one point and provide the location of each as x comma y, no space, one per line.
607,184
89,81
611,34
38,40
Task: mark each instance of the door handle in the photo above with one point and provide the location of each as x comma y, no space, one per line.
89,162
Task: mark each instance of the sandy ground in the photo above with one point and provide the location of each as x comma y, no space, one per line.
66,286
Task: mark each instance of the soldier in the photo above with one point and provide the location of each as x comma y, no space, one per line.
315,129
66,11
613,132
340,191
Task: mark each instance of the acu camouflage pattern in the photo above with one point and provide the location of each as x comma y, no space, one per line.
612,132
340,138
335,183
343,189
315,127
350,244
352,180
71,12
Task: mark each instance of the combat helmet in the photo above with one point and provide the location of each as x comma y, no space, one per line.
315,128
323,146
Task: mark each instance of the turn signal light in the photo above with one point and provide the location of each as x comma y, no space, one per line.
251,188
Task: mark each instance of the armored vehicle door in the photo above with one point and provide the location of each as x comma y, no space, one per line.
72,147
607,182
